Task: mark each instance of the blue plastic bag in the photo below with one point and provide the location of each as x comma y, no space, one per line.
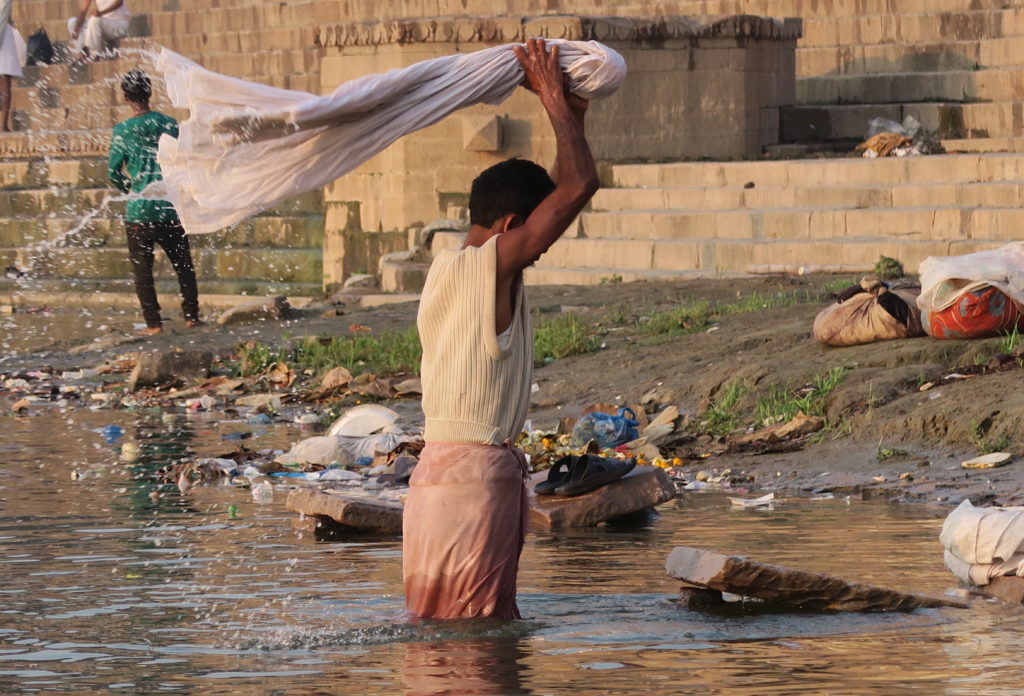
605,429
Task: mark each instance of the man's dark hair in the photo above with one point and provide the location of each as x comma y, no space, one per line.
514,186
136,87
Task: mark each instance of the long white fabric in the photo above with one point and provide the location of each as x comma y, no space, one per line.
983,543
5,19
945,278
247,147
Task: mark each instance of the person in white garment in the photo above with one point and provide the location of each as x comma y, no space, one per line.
12,57
98,23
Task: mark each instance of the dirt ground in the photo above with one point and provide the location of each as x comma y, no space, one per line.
881,424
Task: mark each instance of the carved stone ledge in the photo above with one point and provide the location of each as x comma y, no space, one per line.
572,27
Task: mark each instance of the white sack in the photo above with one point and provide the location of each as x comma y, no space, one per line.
981,543
945,278
247,147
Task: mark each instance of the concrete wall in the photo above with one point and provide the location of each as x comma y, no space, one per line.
696,89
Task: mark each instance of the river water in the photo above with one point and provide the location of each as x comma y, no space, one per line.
112,583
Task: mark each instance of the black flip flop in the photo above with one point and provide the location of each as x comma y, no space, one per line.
558,474
592,472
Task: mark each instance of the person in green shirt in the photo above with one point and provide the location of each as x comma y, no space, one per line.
132,166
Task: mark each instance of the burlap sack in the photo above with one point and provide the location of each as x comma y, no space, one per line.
863,318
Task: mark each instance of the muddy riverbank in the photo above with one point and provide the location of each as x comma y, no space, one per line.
900,416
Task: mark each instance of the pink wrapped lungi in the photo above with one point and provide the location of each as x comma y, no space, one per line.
464,527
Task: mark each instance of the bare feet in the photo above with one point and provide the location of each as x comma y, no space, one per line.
150,331
193,323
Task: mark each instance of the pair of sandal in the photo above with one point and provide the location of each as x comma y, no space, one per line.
579,474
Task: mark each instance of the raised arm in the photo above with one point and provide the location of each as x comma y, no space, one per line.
83,12
575,173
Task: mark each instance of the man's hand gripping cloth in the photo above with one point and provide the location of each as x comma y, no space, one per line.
247,147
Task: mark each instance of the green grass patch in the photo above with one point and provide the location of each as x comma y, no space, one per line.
721,417
387,353
396,352
561,337
1010,341
699,315
840,284
779,405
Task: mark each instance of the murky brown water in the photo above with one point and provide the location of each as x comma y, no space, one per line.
106,589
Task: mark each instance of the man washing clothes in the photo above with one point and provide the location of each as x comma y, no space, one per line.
132,166
466,514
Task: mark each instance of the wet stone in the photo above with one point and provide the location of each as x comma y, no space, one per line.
262,309
1009,589
349,511
169,367
796,588
644,487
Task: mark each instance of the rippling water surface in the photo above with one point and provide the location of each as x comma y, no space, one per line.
112,583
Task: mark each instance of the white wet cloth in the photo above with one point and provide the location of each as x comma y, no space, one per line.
944,279
13,52
247,147
983,543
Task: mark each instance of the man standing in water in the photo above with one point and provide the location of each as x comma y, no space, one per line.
133,166
466,515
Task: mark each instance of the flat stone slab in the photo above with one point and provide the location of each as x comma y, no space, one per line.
644,487
349,511
797,588
1008,588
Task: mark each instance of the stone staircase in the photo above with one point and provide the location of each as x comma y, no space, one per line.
816,215
53,220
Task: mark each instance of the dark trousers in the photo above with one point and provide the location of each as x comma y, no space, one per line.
141,240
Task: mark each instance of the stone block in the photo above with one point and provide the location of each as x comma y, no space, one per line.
355,513
403,276
483,133
1009,589
644,487
260,309
796,588
169,367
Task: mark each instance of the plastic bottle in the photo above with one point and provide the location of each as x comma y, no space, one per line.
263,493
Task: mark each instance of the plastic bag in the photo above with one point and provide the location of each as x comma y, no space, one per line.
909,127
39,49
605,429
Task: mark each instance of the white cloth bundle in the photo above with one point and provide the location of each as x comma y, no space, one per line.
945,278
983,543
247,147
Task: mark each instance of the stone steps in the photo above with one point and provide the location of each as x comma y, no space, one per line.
947,120
941,221
838,215
111,263
995,85
828,172
935,55
768,197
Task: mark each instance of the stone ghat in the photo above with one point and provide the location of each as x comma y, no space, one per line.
642,488
713,573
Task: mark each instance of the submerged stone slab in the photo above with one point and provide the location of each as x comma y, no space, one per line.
349,511
644,487
796,588
1008,588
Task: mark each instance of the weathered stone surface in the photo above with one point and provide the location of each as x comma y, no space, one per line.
796,588
643,487
357,513
1008,588
169,367
262,309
